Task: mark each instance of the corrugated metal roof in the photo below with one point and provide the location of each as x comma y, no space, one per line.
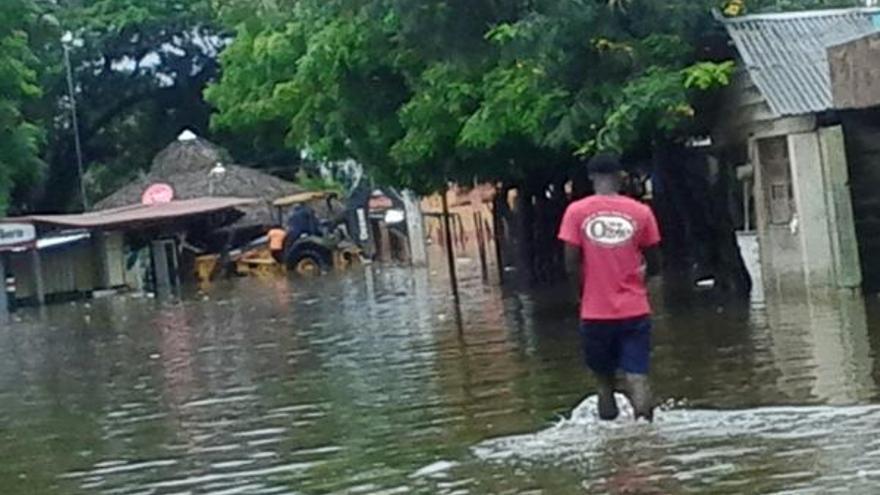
56,241
137,214
786,54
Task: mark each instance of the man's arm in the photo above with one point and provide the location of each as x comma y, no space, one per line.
574,266
571,236
652,261
650,244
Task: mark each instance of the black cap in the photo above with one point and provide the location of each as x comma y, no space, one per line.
604,163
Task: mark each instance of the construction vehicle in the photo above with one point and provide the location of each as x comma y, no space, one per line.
308,255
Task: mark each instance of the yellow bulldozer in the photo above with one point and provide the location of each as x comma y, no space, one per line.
307,255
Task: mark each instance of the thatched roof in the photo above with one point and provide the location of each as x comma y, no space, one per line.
188,155
187,166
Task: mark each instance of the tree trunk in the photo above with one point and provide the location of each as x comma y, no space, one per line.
525,220
695,208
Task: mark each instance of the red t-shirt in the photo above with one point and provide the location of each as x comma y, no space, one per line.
612,232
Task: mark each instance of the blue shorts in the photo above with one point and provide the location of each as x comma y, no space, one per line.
610,346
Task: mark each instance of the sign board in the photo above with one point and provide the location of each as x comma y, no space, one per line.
158,194
13,235
363,228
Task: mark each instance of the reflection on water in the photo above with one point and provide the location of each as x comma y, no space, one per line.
366,383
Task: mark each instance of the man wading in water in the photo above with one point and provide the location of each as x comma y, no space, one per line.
608,237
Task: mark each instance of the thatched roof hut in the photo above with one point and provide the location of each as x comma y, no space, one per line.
195,168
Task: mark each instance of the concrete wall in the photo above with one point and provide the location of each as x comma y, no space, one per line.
818,247
812,210
822,250
66,270
780,246
841,216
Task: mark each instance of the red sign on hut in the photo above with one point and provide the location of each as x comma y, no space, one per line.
158,194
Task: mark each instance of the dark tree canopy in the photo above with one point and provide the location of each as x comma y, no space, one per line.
496,89
420,92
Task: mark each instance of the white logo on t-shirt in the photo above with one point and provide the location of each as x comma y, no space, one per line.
609,229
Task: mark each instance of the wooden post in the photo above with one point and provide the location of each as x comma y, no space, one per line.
175,265
462,233
39,286
450,249
384,242
481,245
497,232
4,300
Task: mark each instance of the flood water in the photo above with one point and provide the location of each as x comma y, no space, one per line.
365,383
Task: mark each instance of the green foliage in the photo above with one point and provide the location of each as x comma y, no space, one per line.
653,103
708,75
328,79
657,105
20,139
140,68
435,116
427,92
418,92
518,102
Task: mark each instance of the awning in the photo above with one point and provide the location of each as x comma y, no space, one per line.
57,241
135,215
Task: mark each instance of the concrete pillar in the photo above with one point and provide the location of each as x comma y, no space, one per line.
841,220
813,215
751,253
4,300
37,267
161,274
415,226
766,241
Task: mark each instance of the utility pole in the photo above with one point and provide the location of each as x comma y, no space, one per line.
66,42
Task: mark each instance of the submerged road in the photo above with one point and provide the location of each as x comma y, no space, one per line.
364,383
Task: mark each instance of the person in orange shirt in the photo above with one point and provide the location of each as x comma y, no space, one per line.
277,235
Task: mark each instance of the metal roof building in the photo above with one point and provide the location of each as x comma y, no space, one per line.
130,247
786,54
136,216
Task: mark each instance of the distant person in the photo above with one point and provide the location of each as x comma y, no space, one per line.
608,237
303,222
277,236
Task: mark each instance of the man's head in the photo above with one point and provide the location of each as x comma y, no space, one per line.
606,172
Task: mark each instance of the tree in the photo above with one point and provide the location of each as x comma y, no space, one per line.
506,91
20,139
491,83
140,68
